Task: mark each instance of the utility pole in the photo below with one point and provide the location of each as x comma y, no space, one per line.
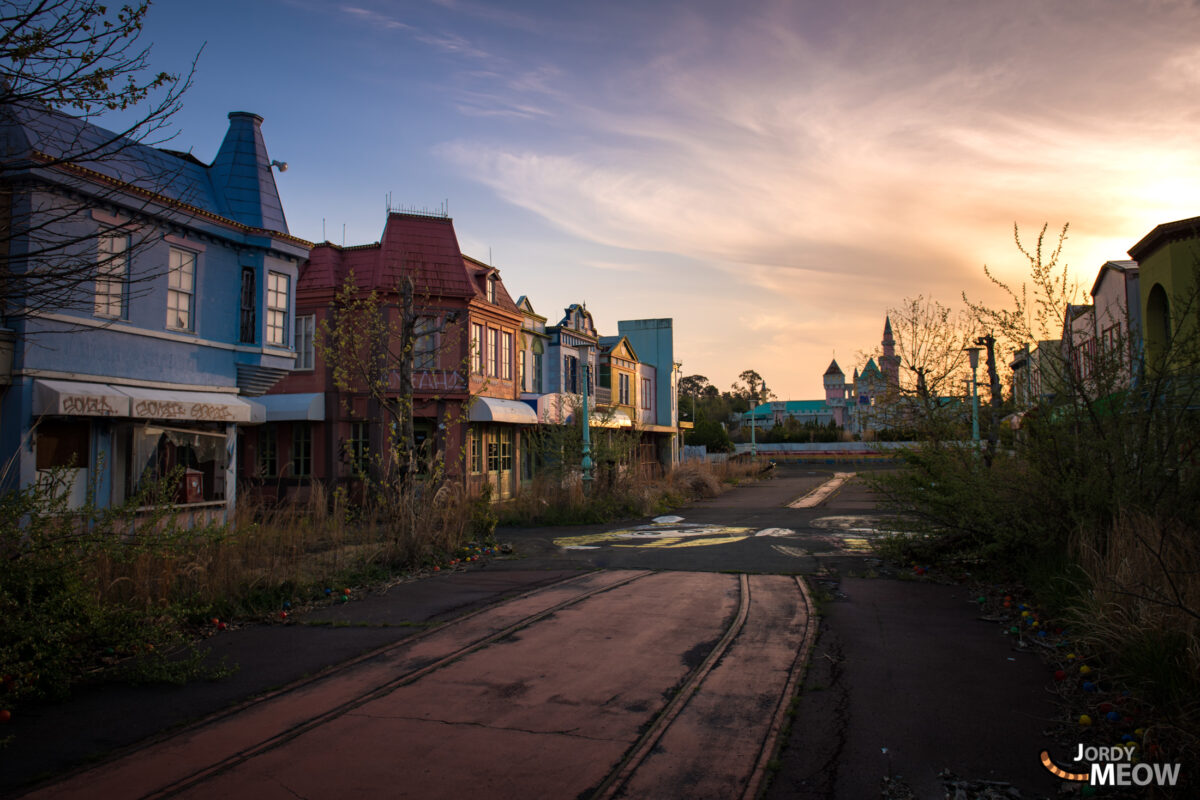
989,344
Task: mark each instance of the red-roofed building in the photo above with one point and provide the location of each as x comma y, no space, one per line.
466,395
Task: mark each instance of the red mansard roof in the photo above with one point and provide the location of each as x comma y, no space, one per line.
424,247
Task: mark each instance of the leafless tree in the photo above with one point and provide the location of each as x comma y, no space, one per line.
63,64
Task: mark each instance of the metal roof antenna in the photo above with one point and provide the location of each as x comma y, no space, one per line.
343,234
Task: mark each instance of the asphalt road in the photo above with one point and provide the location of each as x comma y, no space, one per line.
668,673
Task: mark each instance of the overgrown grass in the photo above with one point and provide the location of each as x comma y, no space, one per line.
93,594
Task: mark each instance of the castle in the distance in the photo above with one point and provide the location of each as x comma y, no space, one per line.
847,404
848,400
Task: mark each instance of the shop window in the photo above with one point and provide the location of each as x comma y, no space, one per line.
537,372
268,450
476,450
505,436
301,450
194,460
493,452
646,394
359,447
623,388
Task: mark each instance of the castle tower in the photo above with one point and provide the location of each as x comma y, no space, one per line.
835,392
889,362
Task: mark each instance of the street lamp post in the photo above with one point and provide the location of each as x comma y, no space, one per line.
753,409
586,462
973,354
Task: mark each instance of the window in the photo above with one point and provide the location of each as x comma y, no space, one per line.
249,325
491,292
623,388
477,348
506,342
156,451
494,353
306,328
537,372
301,449
425,347
277,308
359,447
268,452
646,394
112,271
506,449
476,450
181,288
521,356
493,453
570,374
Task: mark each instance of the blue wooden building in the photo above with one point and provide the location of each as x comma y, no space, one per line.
145,367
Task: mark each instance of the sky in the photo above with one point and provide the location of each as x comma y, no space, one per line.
773,175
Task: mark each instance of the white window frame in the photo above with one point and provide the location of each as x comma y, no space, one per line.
506,346
306,329
493,348
278,308
181,289
112,275
477,345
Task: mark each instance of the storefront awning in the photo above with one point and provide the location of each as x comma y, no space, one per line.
618,419
493,409
293,407
171,404
75,398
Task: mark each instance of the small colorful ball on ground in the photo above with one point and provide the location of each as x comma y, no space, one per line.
1106,707
1113,716
1085,670
1088,686
1085,720
5,715
1060,675
328,591
436,568
981,599
1070,656
345,591
221,626
287,603
283,615
1014,629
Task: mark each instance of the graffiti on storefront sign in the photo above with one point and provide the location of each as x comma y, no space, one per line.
92,405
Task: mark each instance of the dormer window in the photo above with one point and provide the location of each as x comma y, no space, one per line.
491,288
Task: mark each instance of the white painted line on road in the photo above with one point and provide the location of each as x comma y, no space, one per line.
668,520
819,494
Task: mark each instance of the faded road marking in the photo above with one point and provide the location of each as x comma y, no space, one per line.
822,492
